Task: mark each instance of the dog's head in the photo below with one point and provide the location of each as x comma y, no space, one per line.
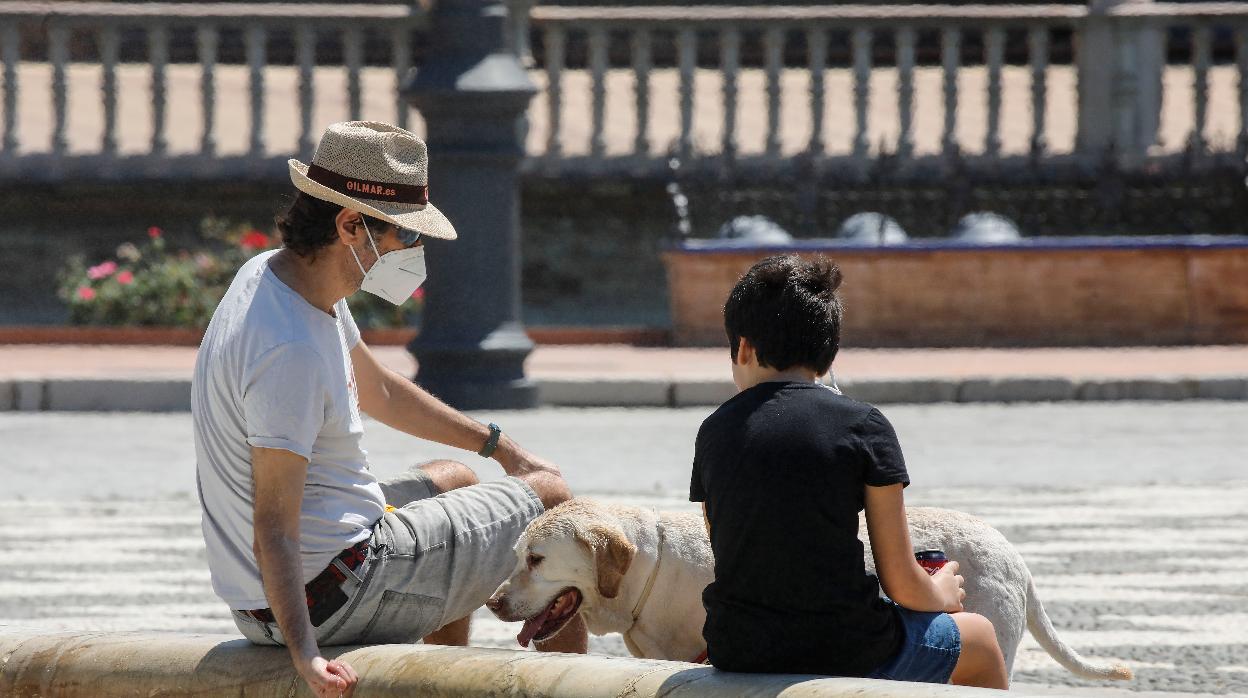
569,557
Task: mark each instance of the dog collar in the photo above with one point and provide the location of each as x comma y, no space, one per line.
654,574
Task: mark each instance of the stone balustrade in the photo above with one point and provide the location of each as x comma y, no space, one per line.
1123,93
1118,72
105,22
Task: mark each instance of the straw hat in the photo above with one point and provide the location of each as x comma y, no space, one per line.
377,169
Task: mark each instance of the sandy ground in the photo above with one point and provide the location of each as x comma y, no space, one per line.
232,109
1132,518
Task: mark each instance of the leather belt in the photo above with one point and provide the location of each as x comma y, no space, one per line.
324,593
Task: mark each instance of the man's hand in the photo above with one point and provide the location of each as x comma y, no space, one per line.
949,582
329,679
518,462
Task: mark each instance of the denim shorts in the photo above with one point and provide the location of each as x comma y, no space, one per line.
929,651
432,561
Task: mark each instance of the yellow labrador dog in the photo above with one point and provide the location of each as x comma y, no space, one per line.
641,573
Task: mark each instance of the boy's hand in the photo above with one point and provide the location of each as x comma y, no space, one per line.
949,582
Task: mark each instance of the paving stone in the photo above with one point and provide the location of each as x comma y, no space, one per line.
77,395
883,392
1222,388
693,393
1139,389
29,395
594,393
1016,390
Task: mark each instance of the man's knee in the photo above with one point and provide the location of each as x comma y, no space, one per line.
549,486
449,475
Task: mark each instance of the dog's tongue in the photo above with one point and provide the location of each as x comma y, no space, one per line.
532,625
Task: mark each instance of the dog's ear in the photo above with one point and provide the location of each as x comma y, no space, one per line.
613,553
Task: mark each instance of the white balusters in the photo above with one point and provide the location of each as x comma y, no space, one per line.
10,53
730,66
401,58
1038,60
58,54
518,30
641,89
817,61
598,74
554,40
256,59
652,36
158,56
353,56
773,63
950,49
1202,57
1241,61
994,56
860,42
305,58
687,59
906,40
206,40
109,45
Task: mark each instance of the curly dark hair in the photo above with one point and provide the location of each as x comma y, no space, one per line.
307,226
789,309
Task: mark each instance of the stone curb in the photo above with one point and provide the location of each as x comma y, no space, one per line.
174,394
103,665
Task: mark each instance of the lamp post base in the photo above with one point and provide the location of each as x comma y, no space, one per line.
479,374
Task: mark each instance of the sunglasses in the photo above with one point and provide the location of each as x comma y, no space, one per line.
407,237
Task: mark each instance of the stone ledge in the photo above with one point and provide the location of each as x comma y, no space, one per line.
174,394
103,665
1017,390
79,395
639,392
905,390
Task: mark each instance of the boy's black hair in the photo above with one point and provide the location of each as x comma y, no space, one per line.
307,226
790,311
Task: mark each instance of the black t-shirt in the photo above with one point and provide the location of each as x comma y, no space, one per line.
781,468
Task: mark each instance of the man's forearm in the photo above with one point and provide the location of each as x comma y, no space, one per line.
410,409
281,572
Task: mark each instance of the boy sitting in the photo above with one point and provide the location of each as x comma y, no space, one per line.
783,469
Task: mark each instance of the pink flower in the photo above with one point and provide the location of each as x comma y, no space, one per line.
125,278
86,293
103,270
254,240
154,232
418,294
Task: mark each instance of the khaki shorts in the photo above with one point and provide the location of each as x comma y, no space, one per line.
432,561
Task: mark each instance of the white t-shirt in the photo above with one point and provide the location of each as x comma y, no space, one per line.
275,372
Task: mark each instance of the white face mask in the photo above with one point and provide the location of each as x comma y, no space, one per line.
396,275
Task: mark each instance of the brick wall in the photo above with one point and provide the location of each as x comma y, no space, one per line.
1071,295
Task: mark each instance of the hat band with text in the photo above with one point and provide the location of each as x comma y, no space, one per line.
368,189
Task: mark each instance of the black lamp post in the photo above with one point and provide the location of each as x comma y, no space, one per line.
473,94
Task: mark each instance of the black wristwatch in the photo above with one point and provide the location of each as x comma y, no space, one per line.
492,442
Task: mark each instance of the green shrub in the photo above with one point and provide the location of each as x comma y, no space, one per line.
149,284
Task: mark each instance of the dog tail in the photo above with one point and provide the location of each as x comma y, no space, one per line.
1042,629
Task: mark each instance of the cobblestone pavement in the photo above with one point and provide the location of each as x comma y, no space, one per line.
1135,536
